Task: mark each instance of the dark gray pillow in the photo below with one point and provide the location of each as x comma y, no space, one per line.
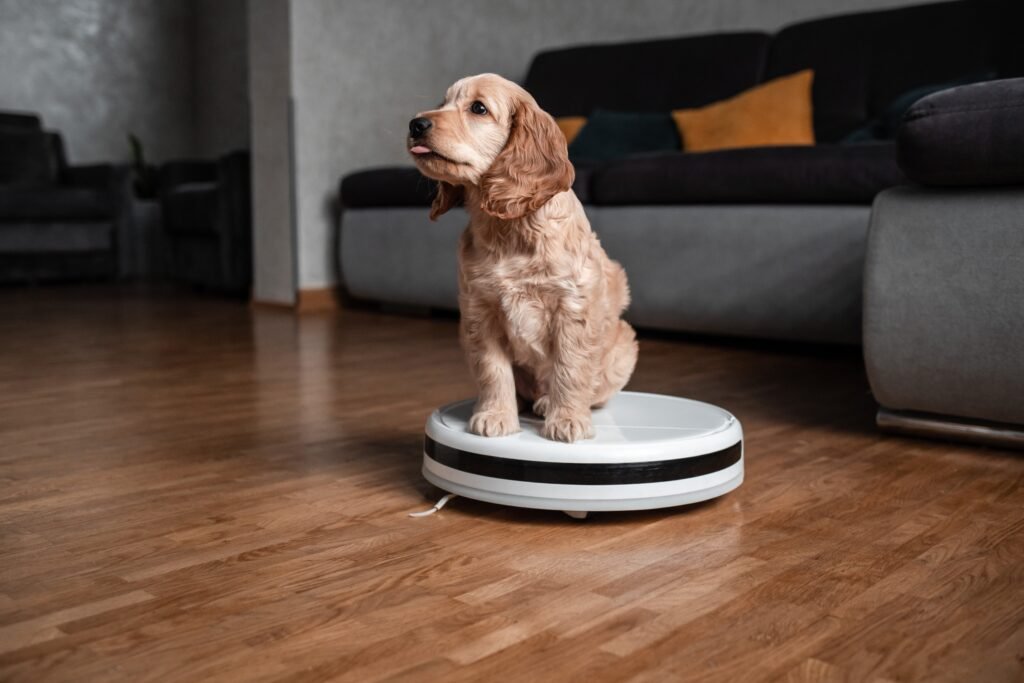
971,135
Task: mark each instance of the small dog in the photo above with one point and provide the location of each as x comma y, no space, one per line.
541,302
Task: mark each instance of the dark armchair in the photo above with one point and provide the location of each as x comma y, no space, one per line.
56,221
206,222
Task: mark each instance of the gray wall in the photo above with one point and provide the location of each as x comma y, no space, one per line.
274,278
361,68
99,69
171,71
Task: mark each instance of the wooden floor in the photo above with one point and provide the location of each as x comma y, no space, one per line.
192,490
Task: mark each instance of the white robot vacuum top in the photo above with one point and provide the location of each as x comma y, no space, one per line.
649,451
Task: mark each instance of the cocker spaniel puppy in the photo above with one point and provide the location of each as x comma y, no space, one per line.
540,300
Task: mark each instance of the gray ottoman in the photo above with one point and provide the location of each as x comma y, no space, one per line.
944,274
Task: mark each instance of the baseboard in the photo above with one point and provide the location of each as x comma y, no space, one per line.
949,428
319,300
271,305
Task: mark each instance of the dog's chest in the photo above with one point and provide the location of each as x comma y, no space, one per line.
527,299
527,322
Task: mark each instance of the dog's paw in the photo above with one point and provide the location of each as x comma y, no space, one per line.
541,406
494,423
568,428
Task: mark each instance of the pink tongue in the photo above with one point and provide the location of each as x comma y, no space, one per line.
419,149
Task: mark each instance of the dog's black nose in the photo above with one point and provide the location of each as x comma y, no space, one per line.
419,126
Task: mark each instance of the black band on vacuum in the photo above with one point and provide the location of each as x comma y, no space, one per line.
584,473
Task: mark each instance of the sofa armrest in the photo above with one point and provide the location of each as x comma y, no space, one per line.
114,180
971,135
235,221
944,302
116,184
179,172
98,176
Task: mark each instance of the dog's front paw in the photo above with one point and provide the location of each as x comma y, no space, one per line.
541,406
568,428
494,423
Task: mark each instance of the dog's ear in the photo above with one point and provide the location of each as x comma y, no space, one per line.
531,169
447,196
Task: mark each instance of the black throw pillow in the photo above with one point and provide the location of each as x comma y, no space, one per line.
615,134
887,124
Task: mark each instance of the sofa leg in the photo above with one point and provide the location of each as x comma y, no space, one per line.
949,428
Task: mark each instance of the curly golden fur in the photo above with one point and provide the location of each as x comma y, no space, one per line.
541,302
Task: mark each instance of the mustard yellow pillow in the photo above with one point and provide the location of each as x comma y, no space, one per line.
778,112
570,126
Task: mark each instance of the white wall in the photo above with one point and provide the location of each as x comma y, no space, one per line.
362,68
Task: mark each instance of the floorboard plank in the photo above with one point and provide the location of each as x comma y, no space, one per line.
191,489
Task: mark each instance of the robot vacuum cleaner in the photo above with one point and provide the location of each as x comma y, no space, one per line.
649,451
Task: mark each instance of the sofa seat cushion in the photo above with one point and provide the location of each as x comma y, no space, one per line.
405,186
53,203
822,174
56,237
970,135
191,208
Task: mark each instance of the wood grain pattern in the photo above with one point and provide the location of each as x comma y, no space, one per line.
198,490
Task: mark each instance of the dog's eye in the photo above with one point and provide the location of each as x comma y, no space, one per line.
478,108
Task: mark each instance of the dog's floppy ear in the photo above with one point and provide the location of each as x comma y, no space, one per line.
531,169
447,196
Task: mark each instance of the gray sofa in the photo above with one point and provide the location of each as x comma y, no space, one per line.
766,242
944,276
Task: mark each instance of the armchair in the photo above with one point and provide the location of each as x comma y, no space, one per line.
206,222
57,221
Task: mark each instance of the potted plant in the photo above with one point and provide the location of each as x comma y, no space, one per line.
142,258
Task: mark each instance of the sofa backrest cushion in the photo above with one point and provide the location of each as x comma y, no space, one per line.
21,120
862,62
649,76
27,157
